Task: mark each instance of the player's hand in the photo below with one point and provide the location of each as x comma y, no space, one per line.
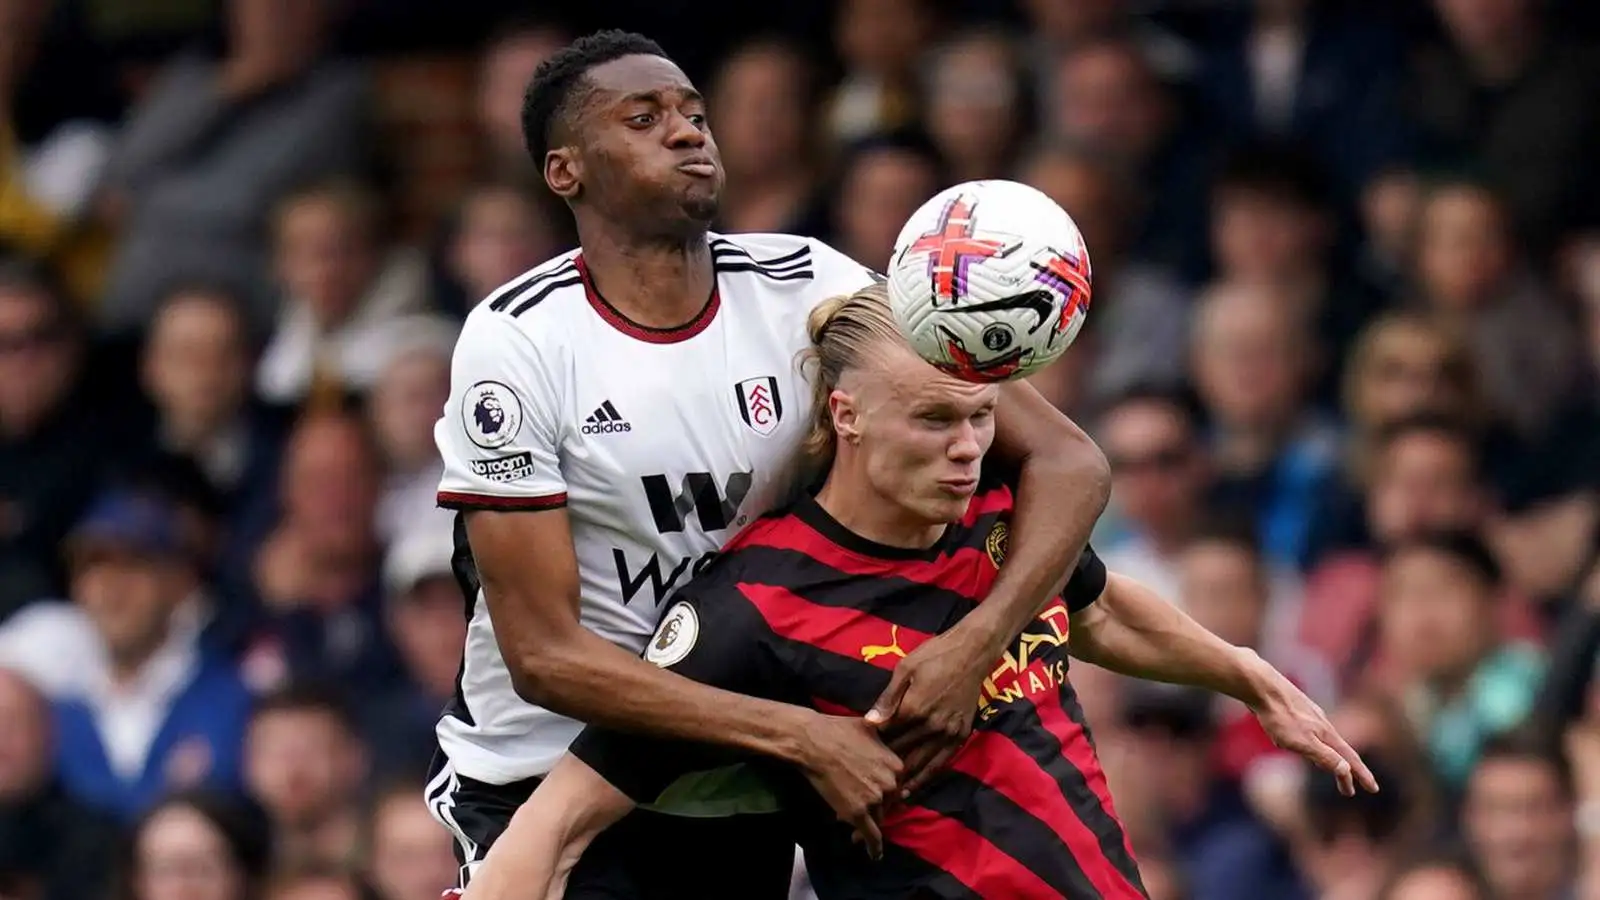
1296,723
853,771
926,712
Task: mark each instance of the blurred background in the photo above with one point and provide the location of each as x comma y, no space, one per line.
1343,357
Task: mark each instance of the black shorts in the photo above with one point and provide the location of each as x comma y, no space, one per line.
646,856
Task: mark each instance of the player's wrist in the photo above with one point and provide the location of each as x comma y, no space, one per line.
788,736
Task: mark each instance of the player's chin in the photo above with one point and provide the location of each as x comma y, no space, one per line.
945,505
700,206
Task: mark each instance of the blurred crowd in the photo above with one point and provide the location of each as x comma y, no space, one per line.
1343,358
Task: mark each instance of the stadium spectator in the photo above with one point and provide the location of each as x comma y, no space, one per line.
1272,226
1467,270
1461,682
215,143
1388,207
1507,93
1517,818
1315,73
1225,585
343,290
765,102
153,709
1160,475
979,105
423,615
404,405
305,764
1353,841
1424,478
1106,95
316,575
198,845
195,368
504,70
878,42
882,181
1139,330
1204,823
49,843
55,435
1273,456
500,233
409,855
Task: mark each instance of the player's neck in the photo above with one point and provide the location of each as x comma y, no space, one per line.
861,510
657,284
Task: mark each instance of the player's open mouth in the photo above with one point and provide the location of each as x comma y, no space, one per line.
698,169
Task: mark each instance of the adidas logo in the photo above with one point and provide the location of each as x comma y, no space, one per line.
605,420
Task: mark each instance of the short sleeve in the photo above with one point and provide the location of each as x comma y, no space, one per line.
498,436
1087,583
715,639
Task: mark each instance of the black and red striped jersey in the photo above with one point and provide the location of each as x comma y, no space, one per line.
801,610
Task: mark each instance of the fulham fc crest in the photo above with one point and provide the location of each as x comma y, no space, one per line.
759,404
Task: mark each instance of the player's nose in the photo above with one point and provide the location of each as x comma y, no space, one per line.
684,134
966,446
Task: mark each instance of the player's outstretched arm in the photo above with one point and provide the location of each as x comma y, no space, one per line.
547,835
1133,631
1064,483
530,581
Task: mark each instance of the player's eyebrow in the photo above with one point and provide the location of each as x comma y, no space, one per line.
659,96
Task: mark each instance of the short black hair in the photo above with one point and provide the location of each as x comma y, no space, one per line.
1530,743
1455,859
1451,428
321,697
550,92
1178,398
1465,547
1282,171
1230,529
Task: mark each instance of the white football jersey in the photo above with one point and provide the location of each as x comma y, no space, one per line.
661,444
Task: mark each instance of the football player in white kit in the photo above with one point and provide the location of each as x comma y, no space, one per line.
616,415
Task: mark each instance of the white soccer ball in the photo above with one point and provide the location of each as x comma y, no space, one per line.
990,280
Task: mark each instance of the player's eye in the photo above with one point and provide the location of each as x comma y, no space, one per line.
698,120
642,120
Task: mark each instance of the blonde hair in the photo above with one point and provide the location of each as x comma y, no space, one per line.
844,332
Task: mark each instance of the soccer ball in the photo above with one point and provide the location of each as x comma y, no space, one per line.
990,281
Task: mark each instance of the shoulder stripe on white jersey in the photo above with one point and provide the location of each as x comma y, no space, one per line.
723,249
533,298
499,300
794,275
795,266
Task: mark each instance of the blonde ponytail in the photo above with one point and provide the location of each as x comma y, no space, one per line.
844,330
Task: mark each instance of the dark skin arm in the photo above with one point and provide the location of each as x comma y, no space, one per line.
530,581
927,710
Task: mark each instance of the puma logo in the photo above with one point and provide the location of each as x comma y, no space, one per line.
872,651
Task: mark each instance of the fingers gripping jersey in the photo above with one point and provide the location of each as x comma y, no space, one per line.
659,443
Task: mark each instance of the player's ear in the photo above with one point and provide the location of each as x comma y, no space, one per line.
563,172
846,416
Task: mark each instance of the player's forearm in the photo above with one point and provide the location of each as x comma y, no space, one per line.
548,834
590,679
1133,631
1061,492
